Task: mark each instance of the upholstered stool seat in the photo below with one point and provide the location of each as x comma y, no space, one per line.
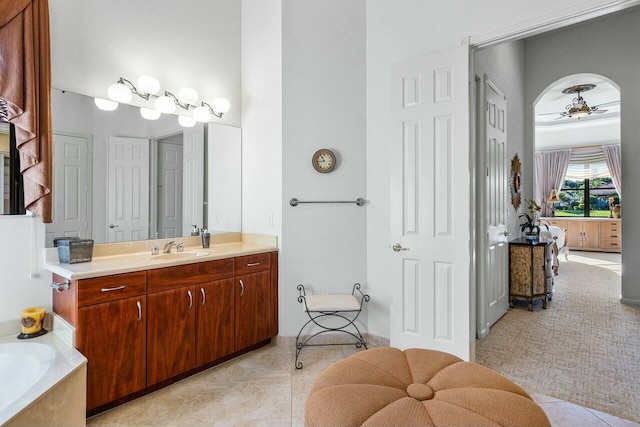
416,387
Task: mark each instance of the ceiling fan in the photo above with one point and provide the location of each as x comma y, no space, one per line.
579,107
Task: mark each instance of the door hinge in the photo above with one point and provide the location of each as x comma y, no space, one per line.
487,170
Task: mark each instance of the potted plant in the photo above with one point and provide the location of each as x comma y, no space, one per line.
531,224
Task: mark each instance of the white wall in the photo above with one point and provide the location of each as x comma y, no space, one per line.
323,57
400,30
184,44
608,47
23,282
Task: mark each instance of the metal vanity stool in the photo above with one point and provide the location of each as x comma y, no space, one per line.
324,310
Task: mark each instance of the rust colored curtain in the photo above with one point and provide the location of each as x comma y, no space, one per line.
25,86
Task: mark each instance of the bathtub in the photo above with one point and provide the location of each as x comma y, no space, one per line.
33,374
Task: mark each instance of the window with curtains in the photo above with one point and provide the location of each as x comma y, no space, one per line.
588,188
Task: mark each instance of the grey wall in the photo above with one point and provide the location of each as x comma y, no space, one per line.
503,65
609,47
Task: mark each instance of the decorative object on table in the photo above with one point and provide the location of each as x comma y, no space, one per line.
195,231
552,200
206,237
617,211
31,321
324,160
75,251
514,181
531,225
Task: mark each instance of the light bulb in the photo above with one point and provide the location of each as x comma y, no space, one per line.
149,113
148,84
165,105
105,104
188,96
187,122
202,114
220,105
120,92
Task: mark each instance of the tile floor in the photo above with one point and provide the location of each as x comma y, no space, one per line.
262,388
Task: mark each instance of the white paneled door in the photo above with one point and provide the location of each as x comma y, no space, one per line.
71,213
430,193
495,283
170,190
128,189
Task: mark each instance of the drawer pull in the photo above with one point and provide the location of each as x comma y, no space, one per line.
253,264
139,311
204,296
613,236
242,288
190,298
117,288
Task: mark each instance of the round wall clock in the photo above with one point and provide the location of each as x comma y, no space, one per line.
324,160
514,181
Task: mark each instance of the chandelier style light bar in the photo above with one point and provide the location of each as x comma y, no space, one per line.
147,87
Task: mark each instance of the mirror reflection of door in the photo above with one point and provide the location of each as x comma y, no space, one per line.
128,189
169,187
71,195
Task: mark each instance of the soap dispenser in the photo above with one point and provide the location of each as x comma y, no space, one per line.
205,237
195,231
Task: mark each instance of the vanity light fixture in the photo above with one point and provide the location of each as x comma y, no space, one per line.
149,113
204,111
186,121
166,103
105,104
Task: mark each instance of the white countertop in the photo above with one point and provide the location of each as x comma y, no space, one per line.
579,218
117,258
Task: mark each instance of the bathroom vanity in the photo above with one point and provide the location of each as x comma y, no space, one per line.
144,321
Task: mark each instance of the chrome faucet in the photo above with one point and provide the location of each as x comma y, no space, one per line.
180,247
168,246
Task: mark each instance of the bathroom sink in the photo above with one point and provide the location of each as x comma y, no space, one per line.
179,255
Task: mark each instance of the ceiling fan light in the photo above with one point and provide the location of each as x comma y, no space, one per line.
148,84
165,105
105,104
149,113
186,122
119,92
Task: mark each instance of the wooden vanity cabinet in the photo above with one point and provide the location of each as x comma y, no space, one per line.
252,300
109,315
173,309
141,330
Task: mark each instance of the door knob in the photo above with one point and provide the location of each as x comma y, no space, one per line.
113,226
397,248
506,233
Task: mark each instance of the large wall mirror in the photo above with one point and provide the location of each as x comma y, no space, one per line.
120,177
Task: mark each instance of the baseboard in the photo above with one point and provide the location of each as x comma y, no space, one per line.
630,301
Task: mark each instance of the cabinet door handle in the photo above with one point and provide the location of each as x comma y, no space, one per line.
241,288
190,298
204,296
117,288
139,311
253,264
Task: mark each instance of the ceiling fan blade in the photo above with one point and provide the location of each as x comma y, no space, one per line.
608,104
551,114
599,111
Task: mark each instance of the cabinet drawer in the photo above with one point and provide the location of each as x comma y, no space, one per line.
191,274
610,244
111,288
608,227
252,264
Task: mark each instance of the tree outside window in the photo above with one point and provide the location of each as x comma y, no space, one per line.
596,191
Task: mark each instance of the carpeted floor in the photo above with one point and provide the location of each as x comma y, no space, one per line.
584,348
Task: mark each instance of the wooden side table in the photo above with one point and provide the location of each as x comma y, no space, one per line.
530,271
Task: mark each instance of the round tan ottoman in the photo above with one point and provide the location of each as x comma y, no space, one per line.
416,387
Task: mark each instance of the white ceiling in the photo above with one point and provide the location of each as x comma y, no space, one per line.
554,131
